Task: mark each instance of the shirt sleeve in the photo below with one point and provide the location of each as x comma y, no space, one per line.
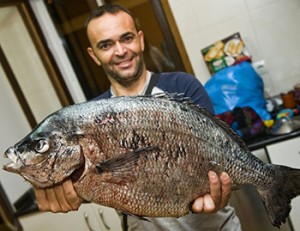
195,90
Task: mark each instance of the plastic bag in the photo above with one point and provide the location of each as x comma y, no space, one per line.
237,86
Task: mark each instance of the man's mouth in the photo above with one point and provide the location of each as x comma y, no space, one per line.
124,64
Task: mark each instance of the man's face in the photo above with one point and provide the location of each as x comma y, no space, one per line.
117,46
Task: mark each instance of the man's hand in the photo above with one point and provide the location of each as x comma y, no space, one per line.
220,191
63,198
60,198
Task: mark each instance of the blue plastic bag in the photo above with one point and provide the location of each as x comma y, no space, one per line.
237,86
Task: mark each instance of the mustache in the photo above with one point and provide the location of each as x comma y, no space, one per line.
126,57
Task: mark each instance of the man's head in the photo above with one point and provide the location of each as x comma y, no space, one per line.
116,43
111,9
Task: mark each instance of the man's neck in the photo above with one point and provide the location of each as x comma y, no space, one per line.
135,89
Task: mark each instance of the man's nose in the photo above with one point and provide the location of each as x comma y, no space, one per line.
120,49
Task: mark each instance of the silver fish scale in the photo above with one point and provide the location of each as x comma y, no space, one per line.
147,156
165,115
189,145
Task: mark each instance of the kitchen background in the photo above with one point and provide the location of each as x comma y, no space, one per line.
269,29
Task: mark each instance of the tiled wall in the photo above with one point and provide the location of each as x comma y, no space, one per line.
270,29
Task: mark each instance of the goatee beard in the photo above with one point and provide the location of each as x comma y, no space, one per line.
126,82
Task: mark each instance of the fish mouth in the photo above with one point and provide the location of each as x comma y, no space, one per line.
15,162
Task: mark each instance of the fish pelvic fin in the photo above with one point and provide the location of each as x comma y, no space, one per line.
120,169
135,216
277,199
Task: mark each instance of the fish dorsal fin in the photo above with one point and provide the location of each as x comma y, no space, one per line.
223,125
178,97
120,168
166,95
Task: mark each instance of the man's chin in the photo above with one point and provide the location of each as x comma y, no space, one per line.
125,78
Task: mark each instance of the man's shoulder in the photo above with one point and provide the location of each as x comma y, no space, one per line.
178,81
104,95
177,75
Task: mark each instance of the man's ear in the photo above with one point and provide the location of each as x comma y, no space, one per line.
93,56
141,36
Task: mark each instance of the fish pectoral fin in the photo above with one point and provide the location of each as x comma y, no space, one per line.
119,169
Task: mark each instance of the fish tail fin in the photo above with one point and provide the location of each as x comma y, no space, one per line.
277,199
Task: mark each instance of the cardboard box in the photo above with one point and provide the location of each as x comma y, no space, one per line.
226,52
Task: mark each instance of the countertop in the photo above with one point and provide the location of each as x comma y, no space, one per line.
265,139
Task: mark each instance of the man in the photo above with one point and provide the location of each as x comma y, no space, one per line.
117,45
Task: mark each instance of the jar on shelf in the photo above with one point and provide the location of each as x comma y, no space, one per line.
288,99
297,93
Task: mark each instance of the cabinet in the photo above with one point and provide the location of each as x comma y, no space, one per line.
107,218
89,217
288,153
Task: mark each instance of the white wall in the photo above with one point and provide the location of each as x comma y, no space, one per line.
270,29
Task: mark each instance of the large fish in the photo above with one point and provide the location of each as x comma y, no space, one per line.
147,156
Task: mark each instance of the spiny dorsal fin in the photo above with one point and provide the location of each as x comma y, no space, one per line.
222,124
179,97
188,101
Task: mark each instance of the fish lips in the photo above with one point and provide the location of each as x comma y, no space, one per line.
15,164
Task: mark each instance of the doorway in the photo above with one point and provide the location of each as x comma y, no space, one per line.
28,63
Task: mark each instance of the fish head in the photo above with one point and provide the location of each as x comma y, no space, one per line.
47,155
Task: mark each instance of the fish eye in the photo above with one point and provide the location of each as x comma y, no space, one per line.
42,146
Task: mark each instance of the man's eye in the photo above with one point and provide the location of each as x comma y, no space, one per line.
104,46
128,39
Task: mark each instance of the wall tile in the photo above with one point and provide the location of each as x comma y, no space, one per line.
286,85
279,39
187,20
194,43
216,11
255,4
